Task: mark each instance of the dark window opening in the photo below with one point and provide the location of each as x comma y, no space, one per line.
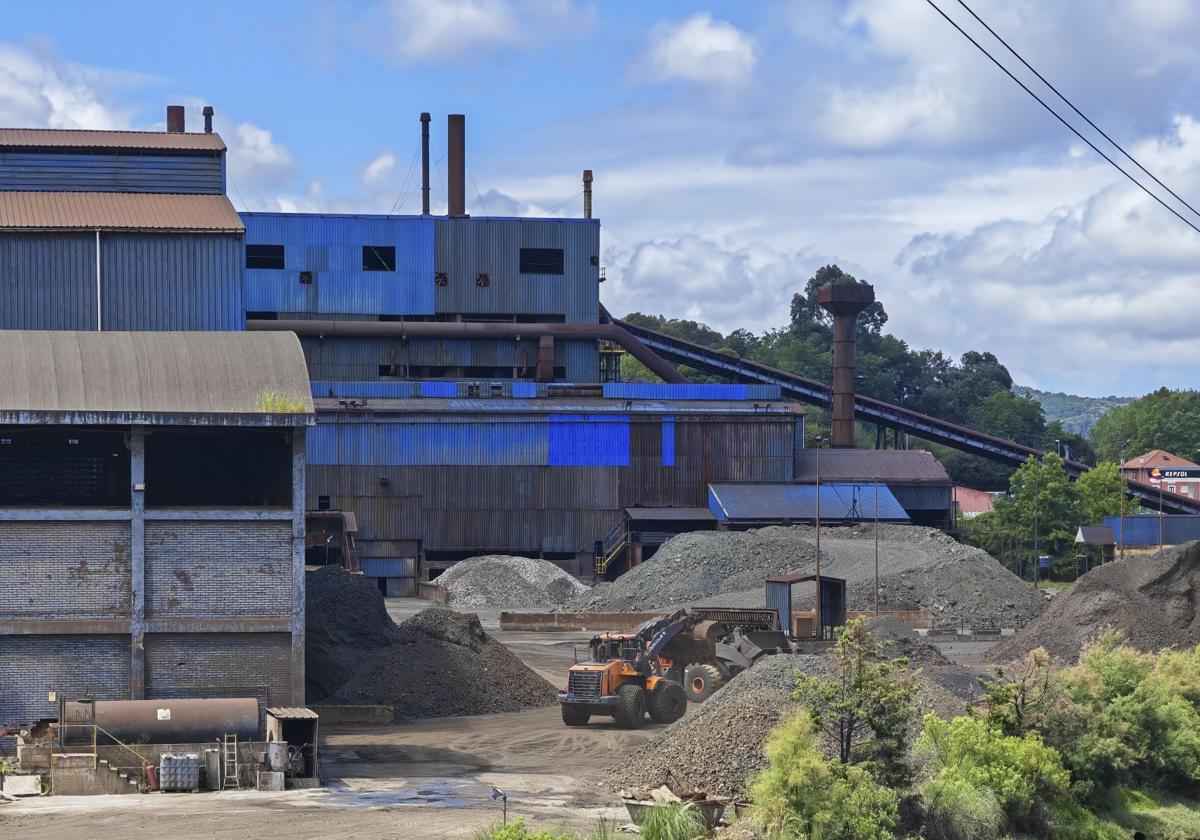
379,258
262,316
323,503
75,468
226,468
264,256
541,260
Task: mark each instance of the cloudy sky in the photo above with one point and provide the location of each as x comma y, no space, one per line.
736,146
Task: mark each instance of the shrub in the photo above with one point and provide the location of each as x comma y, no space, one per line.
674,822
801,793
516,830
957,810
969,754
277,402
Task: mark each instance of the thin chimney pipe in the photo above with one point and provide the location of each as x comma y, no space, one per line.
208,115
456,165
175,119
425,163
587,193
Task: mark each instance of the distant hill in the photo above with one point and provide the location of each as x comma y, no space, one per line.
1078,414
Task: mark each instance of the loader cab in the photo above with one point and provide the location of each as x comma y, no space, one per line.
611,647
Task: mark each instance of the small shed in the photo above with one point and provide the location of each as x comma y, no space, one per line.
833,602
1090,540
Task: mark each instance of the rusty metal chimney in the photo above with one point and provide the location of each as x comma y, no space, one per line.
175,119
208,115
844,302
456,165
587,193
425,163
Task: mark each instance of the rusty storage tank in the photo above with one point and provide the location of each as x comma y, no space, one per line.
190,721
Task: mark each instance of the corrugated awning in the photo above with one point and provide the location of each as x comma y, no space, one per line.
894,465
117,211
291,713
670,514
65,138
798,503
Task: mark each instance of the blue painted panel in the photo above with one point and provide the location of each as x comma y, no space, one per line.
427,442
666,391
384,567
792,502
524,389
588,440
668,441
331,248
439,389
178,281
198,173
1143,529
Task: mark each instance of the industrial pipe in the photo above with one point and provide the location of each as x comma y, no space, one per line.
176,121
844,302
208,117
192,721
587,193
425,163
478,330
456,165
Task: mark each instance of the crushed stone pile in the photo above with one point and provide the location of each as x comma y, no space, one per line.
1150,599
439,663
903,642
502,582
718,746
919,569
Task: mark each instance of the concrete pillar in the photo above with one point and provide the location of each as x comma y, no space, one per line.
299,465
137,562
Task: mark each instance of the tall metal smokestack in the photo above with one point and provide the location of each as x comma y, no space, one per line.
175,119
425,163
208,115
844,302
587,193
456,165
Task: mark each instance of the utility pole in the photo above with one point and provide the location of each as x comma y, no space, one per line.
1124,488
877,546
817,630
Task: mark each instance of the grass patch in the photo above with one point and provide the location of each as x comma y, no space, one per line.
277,402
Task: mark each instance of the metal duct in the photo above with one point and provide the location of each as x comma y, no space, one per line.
425,163
587,193
175,119
456,165
468,329
844,302
208,115
191,721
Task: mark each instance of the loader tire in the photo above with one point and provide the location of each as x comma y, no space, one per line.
701,681
575,715
667,702
630,711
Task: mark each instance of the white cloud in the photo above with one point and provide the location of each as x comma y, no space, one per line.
700,49
256,160
379,169
38,88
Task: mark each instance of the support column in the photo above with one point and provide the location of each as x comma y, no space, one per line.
137,562
299,465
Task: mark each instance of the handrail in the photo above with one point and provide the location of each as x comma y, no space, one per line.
96,730
602,563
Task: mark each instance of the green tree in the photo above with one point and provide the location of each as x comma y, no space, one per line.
1165,419
1040,496
865,708
802,794
1101,493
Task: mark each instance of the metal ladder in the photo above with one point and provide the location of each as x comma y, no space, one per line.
229,762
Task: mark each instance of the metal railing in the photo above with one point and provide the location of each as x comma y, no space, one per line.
96,731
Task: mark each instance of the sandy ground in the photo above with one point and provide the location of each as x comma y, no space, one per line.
431,779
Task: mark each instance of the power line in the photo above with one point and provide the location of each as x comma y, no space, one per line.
482,204
401,196
1071,104
1059,117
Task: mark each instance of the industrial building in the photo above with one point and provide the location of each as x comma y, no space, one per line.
151,517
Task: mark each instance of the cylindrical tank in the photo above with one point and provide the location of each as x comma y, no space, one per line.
191,721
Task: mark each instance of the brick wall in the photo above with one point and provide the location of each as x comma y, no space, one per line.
220,665
74,666
64,570
218,569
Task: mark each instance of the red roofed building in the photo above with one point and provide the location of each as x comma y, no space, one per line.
1157,463
970,503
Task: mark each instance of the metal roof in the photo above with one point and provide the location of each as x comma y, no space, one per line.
291,713
887,465
1095,535
117,211
1157,458
557,405
63,138
670,514
798,502
802,577
193,378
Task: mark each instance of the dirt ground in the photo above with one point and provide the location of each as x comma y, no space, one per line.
431,779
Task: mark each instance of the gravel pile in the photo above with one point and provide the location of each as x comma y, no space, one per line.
919,568
904,642
438,663
1150,599
501,582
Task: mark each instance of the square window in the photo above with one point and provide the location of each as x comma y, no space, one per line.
379,258
264,256
541,260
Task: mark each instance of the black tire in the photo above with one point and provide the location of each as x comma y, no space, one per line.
575,715
630,711
701,681
667,702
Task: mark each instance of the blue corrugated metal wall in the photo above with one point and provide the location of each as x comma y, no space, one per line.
129,172
588,440
178,281
47,281
667,391
331,248
668,441
469,247
765,502
1143,530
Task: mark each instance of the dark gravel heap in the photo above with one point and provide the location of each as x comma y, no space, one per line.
904,642
438,663
1150,599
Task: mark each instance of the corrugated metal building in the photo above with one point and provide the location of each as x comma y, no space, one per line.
915,477
117,231
752,505
151,517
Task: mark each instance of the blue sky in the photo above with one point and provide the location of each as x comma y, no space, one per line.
737,146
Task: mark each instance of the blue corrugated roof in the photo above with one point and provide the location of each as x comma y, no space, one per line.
798,502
